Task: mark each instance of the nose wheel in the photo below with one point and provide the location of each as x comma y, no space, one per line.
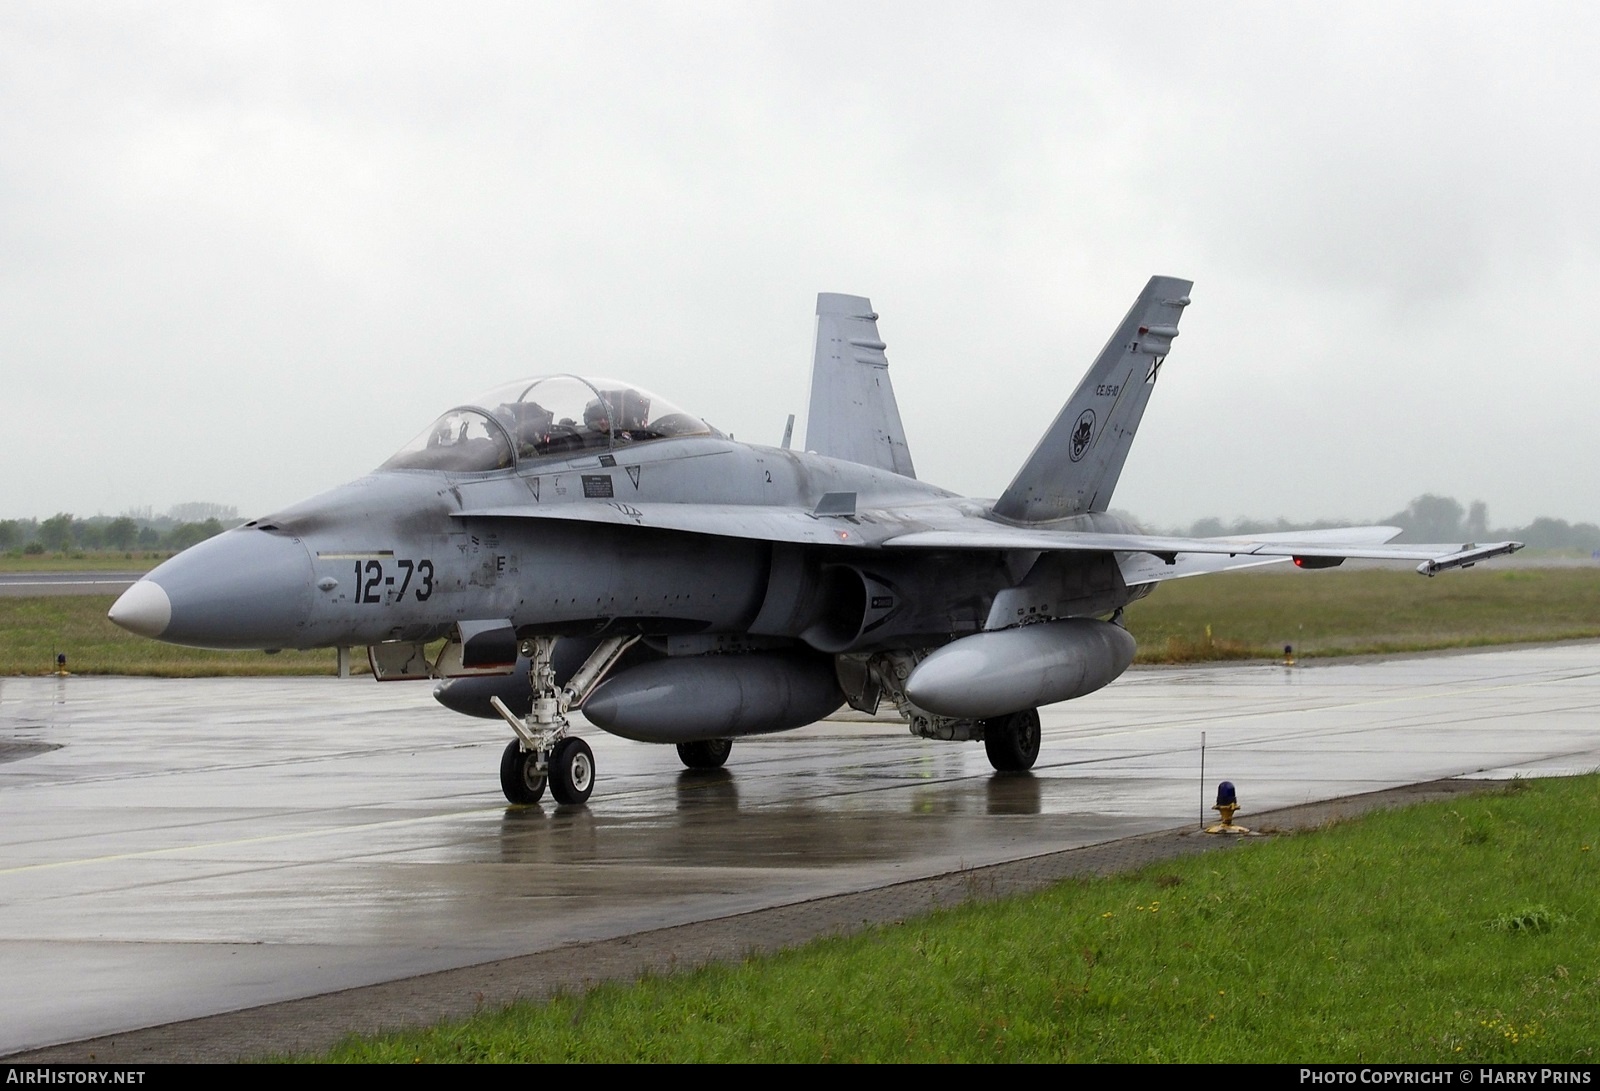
521,779
568,771
571,771
543,754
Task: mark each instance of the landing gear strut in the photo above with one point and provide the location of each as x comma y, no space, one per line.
1012,741
544,752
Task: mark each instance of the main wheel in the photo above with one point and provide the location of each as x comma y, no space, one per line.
706,754
520,778
1012,741
572,771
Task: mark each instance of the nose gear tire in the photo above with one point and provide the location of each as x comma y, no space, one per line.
520,778
571,771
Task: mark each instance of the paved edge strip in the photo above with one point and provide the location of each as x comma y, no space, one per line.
314,1024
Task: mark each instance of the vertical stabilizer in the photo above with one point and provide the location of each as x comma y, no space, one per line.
853,414
1075,467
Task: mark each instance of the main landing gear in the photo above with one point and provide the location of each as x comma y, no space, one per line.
544,753
1012,741
706,754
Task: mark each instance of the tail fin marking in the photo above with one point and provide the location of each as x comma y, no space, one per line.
1075,467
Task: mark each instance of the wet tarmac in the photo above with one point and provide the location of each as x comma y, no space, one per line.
170,849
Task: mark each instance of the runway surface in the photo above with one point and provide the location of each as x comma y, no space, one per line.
171,849
50,584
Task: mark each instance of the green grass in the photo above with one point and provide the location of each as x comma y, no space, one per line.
34,630
1359,611
1461,931
137,560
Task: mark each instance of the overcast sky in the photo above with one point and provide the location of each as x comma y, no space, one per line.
249,250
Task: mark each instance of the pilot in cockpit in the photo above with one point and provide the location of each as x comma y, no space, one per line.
597,419
621,414
530,424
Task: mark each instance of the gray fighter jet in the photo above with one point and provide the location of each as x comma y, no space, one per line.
564,543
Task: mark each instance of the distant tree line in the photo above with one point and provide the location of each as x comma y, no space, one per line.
179,528
1429,518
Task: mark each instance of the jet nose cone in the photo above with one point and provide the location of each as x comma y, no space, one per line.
245,588
143,608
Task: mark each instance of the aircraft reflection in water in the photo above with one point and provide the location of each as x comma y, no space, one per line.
584,543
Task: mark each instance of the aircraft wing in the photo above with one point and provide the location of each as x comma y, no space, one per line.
768,524
1306,547
1154,557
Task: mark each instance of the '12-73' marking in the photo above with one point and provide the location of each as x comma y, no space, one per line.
369,577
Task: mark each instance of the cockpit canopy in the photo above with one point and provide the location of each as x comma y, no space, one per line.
554,416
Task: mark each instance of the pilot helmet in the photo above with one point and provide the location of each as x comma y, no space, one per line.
597,415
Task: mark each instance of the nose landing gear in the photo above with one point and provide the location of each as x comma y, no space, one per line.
544,753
